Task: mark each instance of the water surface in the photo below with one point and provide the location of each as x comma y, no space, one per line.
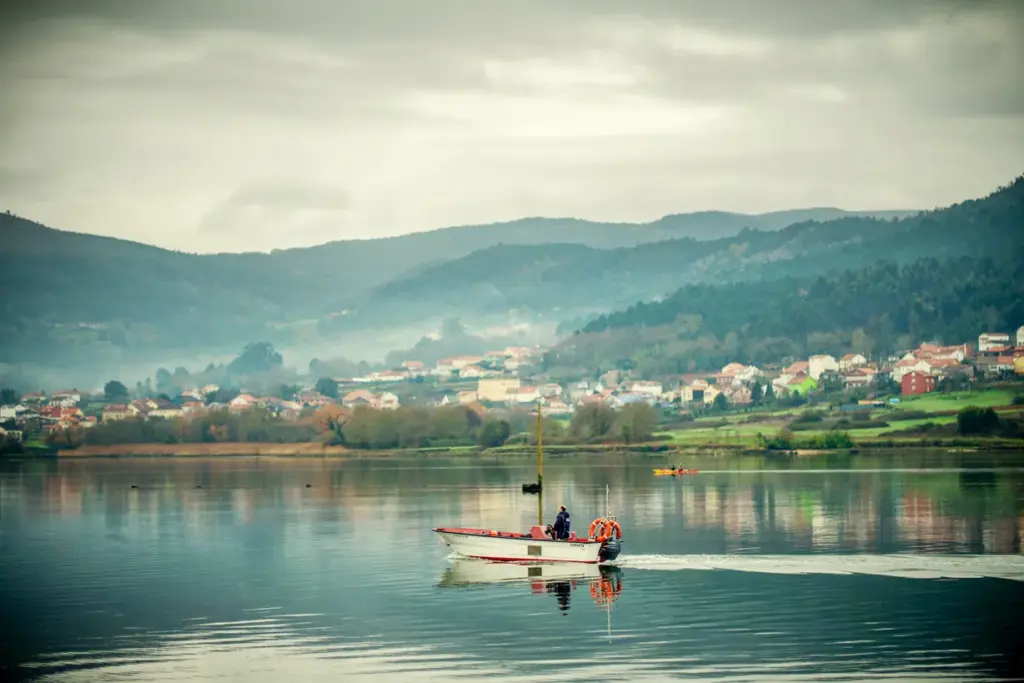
845,568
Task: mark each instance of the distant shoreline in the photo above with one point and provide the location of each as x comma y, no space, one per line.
559,451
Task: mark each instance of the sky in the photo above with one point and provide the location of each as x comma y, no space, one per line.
231,125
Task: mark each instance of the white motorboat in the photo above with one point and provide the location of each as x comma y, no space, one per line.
602,543
533,546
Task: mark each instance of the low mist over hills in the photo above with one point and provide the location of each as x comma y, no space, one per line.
74,299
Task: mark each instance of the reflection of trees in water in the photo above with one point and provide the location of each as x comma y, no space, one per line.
870,510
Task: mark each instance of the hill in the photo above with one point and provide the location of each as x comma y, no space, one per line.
571,280
878,309
71,297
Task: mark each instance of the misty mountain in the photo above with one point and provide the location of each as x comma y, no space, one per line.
572,280
71,297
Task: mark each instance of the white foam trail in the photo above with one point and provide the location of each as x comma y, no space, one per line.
921,566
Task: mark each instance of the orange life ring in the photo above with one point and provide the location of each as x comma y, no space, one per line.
615,526
596,526
602,529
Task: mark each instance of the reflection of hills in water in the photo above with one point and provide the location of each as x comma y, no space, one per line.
918,566
561,579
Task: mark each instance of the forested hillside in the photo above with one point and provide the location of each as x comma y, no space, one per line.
575,280
874,309
75,296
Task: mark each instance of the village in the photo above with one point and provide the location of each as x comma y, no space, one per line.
509,378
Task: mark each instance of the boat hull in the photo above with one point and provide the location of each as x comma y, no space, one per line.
482,545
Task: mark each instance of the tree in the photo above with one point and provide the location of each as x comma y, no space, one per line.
494,433
8,396
256,357
756,395
327,387
164,381
769,394
115,392
721,403
973,420
636,422
592,421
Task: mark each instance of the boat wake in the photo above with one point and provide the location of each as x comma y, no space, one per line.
921,566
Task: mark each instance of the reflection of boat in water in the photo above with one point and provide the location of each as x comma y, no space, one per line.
673,471
605,582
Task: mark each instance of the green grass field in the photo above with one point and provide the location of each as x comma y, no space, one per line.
769,422
935,403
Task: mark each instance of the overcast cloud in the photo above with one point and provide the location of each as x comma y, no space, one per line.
214,125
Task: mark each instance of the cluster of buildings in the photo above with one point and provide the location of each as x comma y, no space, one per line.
492,364
498,384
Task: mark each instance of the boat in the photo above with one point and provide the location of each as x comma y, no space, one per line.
672,472
603,542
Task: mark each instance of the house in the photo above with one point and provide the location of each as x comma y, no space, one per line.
116,411
33,398
916,382
66,398
710,394
389,376
11,412
387,401
556,407
312,399
796,368
473,372
1018,365
628,398
1019,336
821,363
414,367
737,373
194,393
447,366
165,410
363,398
550,389
496,389
851,361
694,392
859,377
242,402
465,397
642,387
523,394
990,340
739,396
358,398
192,406
911,365
801,384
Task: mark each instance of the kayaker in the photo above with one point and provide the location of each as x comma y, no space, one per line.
560,529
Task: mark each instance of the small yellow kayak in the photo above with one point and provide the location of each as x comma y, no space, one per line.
663,472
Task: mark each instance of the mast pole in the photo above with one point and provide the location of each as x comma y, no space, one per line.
540,468
540,449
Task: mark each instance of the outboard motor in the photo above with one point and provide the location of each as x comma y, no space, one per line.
610,549
609,533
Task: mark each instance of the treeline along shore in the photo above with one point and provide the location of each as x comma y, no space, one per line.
954,421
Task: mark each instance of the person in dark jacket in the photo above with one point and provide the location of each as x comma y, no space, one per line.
560,528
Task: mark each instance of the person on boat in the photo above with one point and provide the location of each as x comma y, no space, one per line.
560,529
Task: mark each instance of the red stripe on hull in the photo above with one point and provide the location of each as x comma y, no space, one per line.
520,560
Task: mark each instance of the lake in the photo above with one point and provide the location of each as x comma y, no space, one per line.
904,566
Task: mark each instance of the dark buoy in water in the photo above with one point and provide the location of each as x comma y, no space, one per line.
532,488
309,486
198,486
134,486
